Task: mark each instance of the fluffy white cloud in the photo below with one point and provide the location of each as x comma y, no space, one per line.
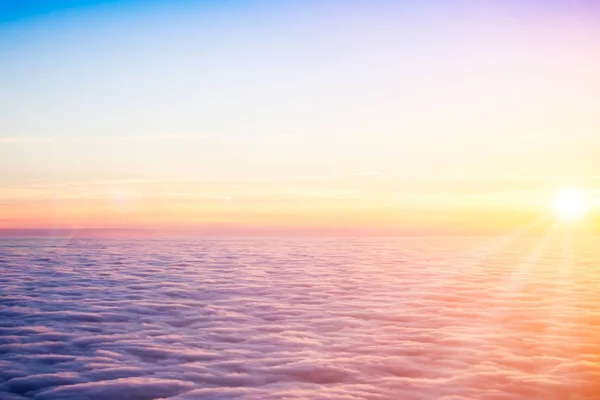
345,319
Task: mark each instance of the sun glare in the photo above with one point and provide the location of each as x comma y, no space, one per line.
570,205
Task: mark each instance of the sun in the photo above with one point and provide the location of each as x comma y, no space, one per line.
570,205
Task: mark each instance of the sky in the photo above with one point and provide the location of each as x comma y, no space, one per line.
295,116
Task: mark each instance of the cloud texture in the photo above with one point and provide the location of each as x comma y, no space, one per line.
347,319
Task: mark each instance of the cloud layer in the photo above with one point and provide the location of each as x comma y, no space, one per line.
410,318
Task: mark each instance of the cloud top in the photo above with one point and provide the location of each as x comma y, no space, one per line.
343,319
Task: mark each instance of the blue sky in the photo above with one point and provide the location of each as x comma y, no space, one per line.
14,10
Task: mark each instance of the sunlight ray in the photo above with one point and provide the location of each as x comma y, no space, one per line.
516,279
480,254
509,288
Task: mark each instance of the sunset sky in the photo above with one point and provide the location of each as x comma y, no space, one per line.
296,116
